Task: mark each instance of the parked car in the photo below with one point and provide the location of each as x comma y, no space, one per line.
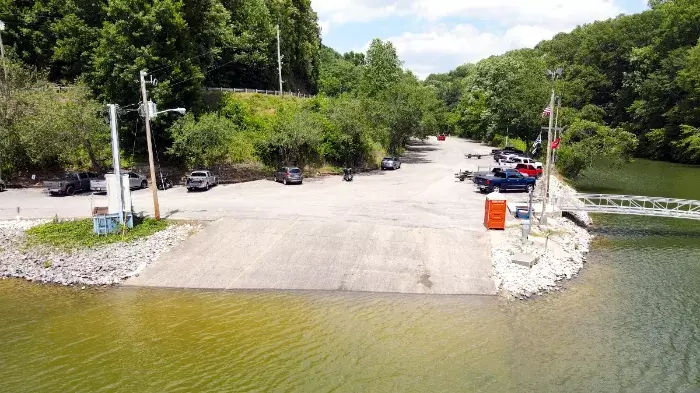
201,180
289,175
70,183
2,185
529,170
510,179
441,137
136,180
391,163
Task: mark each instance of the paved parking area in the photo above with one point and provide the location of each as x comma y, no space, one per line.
413,230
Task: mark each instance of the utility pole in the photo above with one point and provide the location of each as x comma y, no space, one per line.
279,59
2,51
548,171
147,115
5,83
115,158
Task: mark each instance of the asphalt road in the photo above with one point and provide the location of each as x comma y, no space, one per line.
413,230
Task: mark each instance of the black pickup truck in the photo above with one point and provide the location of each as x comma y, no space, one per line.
70,183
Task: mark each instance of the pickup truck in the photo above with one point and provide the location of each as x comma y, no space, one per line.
510,179
70,183
529,170
135,181
201,180
512,161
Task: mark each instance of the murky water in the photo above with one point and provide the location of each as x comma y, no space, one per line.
629,322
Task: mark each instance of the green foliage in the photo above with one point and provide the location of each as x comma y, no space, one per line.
587,141
205,141
383,68
41,126
499,141
689,145
76,234
337,75
639,73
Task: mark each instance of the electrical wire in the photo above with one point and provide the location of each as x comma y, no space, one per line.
203,72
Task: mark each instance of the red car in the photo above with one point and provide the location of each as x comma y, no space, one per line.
529,170
441,137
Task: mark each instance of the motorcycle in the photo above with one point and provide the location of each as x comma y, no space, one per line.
164,182
347,174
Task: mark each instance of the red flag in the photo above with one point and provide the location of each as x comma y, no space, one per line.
555,143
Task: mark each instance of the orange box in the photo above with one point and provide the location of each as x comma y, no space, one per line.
495,213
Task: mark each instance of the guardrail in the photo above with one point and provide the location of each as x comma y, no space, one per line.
259,91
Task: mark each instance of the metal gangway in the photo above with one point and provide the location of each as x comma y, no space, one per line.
630,204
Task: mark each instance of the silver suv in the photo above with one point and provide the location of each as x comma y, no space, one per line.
391,163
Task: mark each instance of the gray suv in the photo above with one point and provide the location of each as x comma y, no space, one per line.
391,163
289,175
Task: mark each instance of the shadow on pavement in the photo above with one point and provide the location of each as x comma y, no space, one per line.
416,152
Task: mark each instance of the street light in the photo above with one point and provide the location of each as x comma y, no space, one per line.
177,110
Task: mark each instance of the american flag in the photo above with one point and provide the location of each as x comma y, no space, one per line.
547,111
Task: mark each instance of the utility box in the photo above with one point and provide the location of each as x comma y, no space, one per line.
495,211
108,220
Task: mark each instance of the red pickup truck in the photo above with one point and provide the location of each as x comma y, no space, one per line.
529,170
441,137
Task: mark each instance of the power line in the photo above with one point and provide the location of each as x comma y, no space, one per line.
203,72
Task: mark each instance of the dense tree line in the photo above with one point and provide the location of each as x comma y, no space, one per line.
628,79
185,44
367,106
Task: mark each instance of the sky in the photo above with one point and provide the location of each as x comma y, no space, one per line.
438,35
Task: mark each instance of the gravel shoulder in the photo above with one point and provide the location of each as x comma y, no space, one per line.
103,265
560,249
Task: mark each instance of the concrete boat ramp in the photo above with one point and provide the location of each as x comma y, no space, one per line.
302,254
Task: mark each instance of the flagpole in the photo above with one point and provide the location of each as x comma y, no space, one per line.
548,171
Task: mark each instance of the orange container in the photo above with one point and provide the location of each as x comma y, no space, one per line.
495,213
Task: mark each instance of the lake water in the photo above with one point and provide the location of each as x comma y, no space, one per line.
629,322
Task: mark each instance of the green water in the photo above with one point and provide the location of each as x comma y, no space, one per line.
629,322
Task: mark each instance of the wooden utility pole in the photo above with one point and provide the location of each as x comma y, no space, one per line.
147,115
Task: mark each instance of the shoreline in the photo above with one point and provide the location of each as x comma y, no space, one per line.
102,265
559,250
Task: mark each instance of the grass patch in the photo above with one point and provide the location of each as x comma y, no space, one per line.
75,234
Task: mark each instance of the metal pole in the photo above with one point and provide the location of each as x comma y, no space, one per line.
6,83
147,114
115,157
279,59
557,131
545,197
2,56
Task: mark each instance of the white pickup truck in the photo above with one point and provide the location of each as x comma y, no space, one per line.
201,180
135,181
512,161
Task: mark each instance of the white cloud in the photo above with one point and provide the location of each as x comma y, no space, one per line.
505,12
459,31
347,11
443,48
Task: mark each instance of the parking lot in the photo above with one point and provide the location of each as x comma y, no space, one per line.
413,230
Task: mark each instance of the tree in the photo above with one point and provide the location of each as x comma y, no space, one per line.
64,128
383,68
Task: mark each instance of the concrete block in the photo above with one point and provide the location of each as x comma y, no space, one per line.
527,260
